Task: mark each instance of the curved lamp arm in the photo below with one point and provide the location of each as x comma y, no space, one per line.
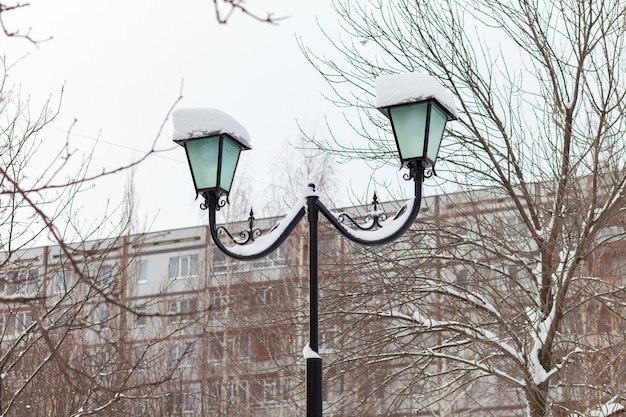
251,244
386,230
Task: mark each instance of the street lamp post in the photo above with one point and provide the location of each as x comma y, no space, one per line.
418,108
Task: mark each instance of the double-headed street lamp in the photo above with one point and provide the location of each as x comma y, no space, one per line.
418,108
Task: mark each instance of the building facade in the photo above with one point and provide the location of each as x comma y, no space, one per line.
164,324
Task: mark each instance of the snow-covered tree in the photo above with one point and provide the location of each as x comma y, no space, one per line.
516,292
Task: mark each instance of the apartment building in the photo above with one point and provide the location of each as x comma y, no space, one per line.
164,324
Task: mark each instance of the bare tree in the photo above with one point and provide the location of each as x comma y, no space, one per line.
73,336
65,320
495,301
5,9
224,9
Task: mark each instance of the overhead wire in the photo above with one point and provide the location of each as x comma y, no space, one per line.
158,154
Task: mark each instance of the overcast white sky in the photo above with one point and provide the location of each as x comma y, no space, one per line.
122,64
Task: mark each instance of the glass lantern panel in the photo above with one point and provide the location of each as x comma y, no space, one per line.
203,154
438,119
230,156
409,125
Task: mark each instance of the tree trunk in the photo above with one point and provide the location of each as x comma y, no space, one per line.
538,401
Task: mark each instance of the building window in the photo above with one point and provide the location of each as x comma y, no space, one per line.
462,278
329,340
24,320
511,228
515,224
32,282
142,273
183,266
240,346
140,355
64,281
276,258
100,359
181,311
188,403
3,283
274,296
219,261
180,355
511,276
103,317
27,281
215,300
272,391
15,324
215,349
105,275
62,319
236,391
140,318
59,283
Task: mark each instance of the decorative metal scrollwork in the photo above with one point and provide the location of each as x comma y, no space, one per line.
214,199
371,220
245,236
418,172
361,231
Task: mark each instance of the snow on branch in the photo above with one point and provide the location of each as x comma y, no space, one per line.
475,334
609,409
480,365
459,328
476,300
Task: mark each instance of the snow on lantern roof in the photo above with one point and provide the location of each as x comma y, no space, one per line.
394,89
197,123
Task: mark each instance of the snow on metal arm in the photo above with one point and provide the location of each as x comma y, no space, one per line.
251,243
379,229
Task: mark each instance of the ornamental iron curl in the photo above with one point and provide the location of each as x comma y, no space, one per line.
214,199
245,236
418,171
371,220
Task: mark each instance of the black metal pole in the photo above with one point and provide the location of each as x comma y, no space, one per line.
313,364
